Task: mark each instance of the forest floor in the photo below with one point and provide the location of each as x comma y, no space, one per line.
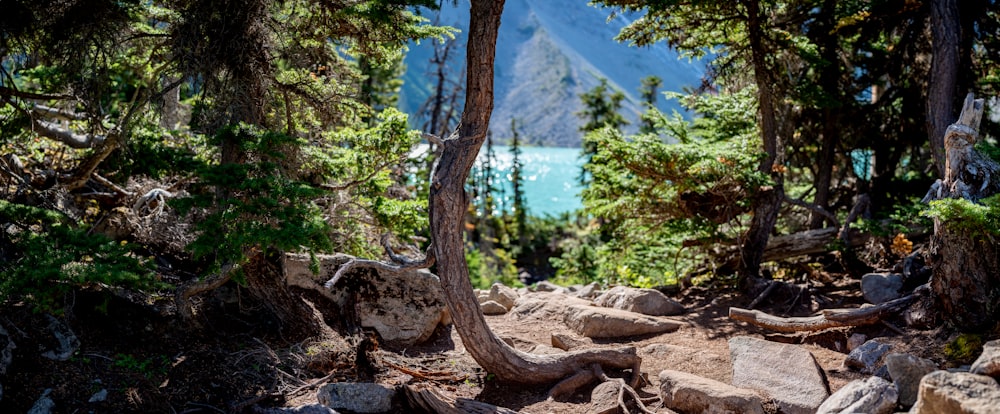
150,362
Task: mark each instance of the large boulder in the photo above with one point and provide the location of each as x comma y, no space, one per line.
690,393
544,306
595,322
881,287
873,395
405,307
943,392
988,362
787,373
644,301
357,397
906,371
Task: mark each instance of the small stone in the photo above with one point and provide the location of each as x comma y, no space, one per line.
604,399
906,371
44,403
66,341
855,341
546,286
363,398
493,308
566,341
881,287
868,358
988,362
588,291
690,393
943,392
873,395
503,295
99,396
788,373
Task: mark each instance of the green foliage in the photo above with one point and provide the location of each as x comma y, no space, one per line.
496,266
255,205
50,255
148,367
964,349
975,219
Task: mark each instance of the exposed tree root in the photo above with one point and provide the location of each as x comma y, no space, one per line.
425,397
831,318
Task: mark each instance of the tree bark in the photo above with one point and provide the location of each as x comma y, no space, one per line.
448,203
946,36
965,280
768,200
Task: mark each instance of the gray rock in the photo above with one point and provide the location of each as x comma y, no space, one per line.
405,308
855,341
906,371
44,403
786,372
302,409
988,362
7,348
565,341
943,392
99,396
545,306
66,342
491,307
546,286
357,397
604,399
693,394
588,291
881,287
873,395
869,358
503,295
595,322
645,301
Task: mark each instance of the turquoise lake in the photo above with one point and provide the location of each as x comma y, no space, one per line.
550,178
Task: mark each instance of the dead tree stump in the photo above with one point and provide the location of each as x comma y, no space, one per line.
966,281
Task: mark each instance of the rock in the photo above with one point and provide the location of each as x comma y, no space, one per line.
943,392
988,362
66,342
6,351
645,301
544,305
357,397
588,291
690,393
906,371
405,308
881,287
922,314
567,342
873,395
546,286
595,322
787,373
491,307
503,295
604,399
99,396
482,296
302,409
868,358
855,341
44,403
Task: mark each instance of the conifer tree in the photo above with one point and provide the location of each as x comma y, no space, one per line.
519,206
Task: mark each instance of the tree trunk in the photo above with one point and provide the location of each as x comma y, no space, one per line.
946,37
965,280
265,282
448,203
829,79
767,203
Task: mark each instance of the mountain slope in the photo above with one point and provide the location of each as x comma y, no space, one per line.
548,53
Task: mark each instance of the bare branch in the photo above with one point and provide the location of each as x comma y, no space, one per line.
73,140
57,113
355,263
814,208
35,96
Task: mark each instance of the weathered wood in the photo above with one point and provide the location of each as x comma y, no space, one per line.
429,399
831,318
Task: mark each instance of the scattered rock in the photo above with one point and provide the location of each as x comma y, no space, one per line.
906,371
302,409
546,286
873,395
44,404
405,308
786,372
565,341
545,305
604,399
988,362
99,396
588,291
943,392
503,295
922,314
644,301
6,351
491,307
357,397
856,340
66,342
881,287
482,296
595,322
693,394
868,358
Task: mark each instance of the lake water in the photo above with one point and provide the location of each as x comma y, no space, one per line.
550,178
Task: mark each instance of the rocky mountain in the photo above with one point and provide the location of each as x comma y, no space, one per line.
548,53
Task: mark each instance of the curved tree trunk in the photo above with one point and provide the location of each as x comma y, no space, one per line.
448,202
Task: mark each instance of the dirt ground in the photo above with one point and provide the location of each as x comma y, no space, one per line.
150,362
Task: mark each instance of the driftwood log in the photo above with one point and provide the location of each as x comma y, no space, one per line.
965,281
830,318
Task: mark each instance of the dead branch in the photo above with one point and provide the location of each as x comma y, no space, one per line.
861,206
51,130
433,401
814,208
57,113
185,293
406,265
831,318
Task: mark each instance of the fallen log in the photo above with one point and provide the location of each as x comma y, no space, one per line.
830,318
429,399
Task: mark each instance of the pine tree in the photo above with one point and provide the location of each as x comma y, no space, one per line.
519,207
600,110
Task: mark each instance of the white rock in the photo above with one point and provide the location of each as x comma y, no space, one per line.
873,395
491,307
357,397
787,373
690,393
503,295
988,362
645,301
943,392
906,371
595,322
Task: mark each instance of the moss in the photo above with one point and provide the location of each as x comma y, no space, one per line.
964,349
